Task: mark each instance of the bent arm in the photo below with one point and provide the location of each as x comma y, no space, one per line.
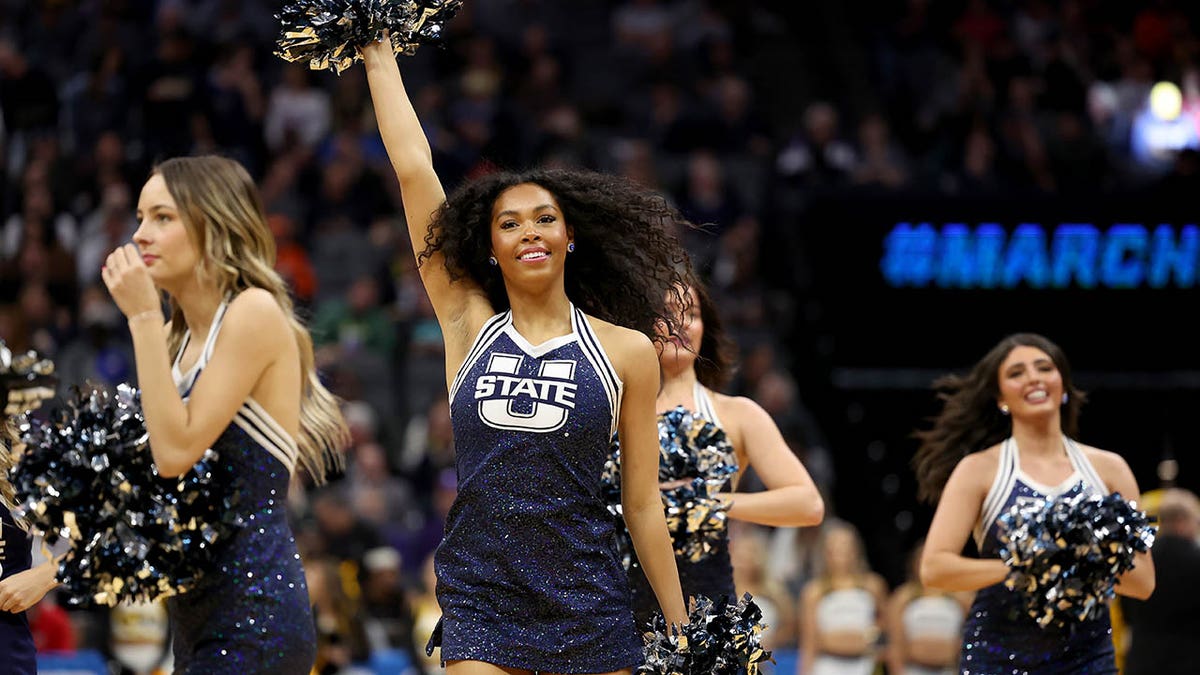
942,564
253,334
791,498
640,497
1139,582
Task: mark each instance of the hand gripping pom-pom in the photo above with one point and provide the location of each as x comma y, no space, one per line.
327,33
88,476
1065,555
696,453
719,639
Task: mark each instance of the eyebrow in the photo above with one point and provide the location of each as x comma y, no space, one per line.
512,212
157,207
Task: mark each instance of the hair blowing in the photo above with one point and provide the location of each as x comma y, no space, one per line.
627,258
970,419
714,361
223,213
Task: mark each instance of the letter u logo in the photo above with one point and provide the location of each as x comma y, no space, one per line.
543,417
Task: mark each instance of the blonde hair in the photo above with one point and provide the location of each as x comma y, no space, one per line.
223,213
8,442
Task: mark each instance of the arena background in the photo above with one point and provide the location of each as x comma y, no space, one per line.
890,187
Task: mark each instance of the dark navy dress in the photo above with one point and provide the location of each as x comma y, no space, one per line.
251,614
711,576
17,652
528,571
999,639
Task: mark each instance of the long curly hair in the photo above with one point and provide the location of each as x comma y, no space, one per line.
627,257
970,419
223,213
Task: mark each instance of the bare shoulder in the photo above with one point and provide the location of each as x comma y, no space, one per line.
978,469
1102,458
739,410
256,304
876,585
1112,467
626,348
255,312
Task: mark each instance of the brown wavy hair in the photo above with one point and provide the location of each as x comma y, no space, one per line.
970,419
223,213
627,257
715,359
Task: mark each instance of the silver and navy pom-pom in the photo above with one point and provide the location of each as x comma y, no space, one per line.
87,476
720,638
1065,555
327,33
696,454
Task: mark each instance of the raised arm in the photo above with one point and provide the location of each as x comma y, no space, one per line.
791,498
641,502
943,565
420,189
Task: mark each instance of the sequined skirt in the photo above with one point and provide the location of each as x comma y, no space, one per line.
253,616
541,591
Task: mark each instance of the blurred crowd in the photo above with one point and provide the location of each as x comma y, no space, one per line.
725,107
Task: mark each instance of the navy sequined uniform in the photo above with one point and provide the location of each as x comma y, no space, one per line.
528,571
16,642
252,613
997,637
712,575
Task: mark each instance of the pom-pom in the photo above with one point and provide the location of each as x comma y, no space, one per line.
25,380
695,458
328,33
1066,554
88,476
719,639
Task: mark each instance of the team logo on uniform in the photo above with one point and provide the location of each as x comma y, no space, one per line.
509,401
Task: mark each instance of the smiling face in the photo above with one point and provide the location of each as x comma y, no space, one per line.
161,237
1031,385
529,235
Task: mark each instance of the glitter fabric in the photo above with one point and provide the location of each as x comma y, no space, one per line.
999,638
251,614
528,571
16,642
710,575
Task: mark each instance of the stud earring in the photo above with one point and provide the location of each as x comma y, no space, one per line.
492,260
1066,398
571,247
1003,408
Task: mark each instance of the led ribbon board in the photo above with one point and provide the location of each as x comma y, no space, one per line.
1038,256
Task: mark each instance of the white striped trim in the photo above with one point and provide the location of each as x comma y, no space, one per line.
1084,467
488,333
704,404
1002,485
185,381
258,424
590,345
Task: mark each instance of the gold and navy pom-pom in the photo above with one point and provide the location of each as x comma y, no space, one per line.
26,380
326,34
696,454
721,638
87,476
1065,555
